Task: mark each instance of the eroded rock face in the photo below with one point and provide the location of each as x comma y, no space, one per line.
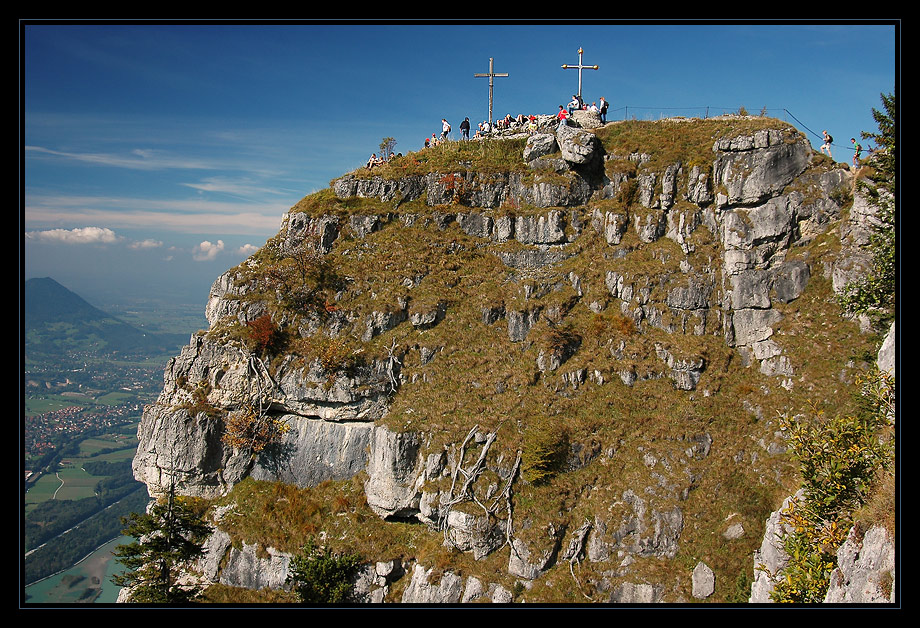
531,560
744,207
771,558
865,572
329,417
638,532
394,470
176,446
246,569
312,451
753,168
446,590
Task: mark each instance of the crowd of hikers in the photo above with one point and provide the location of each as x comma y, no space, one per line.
485,128
528,123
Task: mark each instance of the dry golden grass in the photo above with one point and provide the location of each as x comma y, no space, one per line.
478,376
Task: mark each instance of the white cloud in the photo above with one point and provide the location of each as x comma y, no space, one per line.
239,187
207,251
139,159
247,249
84,235
186,216
145,244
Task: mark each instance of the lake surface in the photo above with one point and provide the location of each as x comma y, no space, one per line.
89,582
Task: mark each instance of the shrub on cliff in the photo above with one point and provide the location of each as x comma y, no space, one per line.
263,335
840,459
318,576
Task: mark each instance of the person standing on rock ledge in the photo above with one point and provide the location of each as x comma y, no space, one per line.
603,110
445,129
561,116
826,146
465,128
858,150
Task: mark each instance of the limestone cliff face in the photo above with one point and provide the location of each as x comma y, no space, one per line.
721,256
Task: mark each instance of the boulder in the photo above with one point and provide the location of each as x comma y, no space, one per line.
585,119
578,146
704,581
540,145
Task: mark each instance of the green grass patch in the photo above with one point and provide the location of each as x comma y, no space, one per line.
688,141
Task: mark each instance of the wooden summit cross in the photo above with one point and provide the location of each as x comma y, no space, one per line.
579,67
492,74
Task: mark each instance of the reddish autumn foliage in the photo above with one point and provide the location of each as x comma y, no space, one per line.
263,334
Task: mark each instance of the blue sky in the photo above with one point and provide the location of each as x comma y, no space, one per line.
156,156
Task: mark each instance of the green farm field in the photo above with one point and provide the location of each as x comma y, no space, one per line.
50,403
123,443
71,481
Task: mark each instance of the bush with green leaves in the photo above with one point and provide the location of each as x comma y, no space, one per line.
840,458
319,576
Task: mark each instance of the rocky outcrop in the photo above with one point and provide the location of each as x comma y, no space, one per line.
631,593
771,558
639,532
181,435
865,572
394,473
704,581
246,569
447,590
753,168
746,209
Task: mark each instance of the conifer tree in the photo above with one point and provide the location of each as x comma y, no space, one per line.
876,294
168,538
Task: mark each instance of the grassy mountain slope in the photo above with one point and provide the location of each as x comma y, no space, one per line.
593,444
59,321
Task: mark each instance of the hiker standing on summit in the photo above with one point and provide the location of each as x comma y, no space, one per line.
826,146
465,128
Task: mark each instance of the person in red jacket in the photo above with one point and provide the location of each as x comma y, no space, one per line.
562,116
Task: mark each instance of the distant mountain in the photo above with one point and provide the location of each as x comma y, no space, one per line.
58,320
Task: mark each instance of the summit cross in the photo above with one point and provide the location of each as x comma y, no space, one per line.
579,67
492,74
